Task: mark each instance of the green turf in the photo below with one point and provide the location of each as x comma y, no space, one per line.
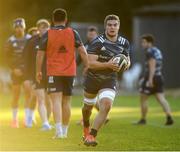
118,134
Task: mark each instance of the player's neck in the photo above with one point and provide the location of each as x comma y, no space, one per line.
150,46
59,24
112,38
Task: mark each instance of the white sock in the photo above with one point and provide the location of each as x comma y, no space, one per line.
31,114
64,130
46,123
15,113
26,115
59,128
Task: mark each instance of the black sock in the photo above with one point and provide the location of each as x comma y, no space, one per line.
86,123
93,132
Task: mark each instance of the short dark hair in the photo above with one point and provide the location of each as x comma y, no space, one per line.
111,17
59,15
148,38
92,29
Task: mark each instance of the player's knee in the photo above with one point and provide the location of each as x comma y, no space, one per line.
106,105
107,94
40,99
40,102
90,101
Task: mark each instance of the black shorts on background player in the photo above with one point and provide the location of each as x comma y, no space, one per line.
158,81
30,52
158,85
62,84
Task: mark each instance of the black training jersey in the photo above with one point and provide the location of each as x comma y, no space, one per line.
30,52
106,49
14,51
155,53
78,59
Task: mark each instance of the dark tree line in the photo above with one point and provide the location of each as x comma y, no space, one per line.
78,11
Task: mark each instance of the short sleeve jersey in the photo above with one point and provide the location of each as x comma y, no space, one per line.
106,49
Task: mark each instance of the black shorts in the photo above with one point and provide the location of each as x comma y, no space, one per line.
92,85
158,85
17,80
62,84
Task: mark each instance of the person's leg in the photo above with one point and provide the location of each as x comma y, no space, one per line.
67,83
144,95
164,103
89,102
66,113
56,99
41,106
27,93
106,98
97,108
48,105
32,107
144,107
16,90
104,108
40,94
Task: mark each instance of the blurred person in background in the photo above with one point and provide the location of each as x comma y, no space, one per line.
152,82
92,33
33,31
14,55
39,89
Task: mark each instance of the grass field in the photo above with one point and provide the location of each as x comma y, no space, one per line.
118,134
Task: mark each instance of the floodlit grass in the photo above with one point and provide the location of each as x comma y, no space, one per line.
118,134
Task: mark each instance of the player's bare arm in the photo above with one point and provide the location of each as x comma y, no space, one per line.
39,62
152,67
95,64
129,62
83,53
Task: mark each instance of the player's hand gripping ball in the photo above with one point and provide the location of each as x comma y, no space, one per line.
122,61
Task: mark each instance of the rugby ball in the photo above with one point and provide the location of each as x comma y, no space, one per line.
121,61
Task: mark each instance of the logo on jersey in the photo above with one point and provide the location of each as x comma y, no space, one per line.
101,39
62,49
122,40
103,48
